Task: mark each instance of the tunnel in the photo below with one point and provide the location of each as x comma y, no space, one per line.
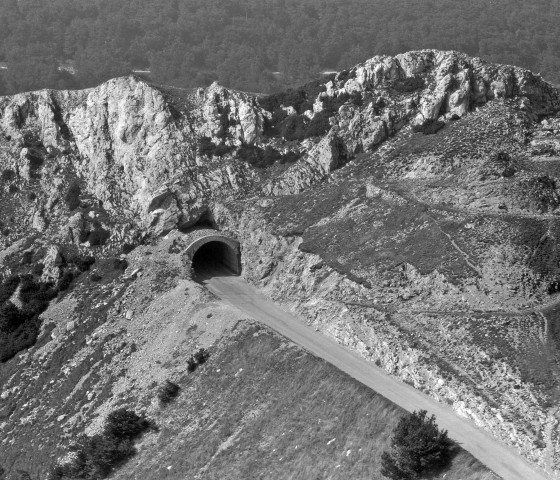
215,256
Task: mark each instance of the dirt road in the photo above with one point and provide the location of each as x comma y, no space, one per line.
496,456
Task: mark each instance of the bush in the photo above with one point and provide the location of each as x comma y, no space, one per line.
95,457
197,359
221,150
417,446
27,257
95,277
319,124
270,156
125,424
32,290
13,188
83,263
127,248
120,264
8,288
72,197
98,237
168,391
191,364
206,146
293,127
19,330
542,193
8,175
65,281
38,269
408,85
289,157
201,356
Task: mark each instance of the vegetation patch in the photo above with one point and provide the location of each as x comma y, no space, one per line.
310,419
417,446
408,85
94,458
168,392
499,164
199,358
541,193
264,157
207,148
72,197
297,126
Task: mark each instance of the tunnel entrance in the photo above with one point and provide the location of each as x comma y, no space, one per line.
215,258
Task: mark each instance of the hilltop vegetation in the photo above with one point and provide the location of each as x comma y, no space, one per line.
191,43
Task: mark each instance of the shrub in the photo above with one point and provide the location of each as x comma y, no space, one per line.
408,85
168,391
417,446
72,197
27,257
83,263
13,188
98,237
8,288
127,248
125,424
319,124
191,364
221,150
542,193
11,317
19,330
289,157
202,356
65,281
270,156
95,457
95,277
8,175
38,269
206,146
250,154
32,290
120,264
197,359
293,127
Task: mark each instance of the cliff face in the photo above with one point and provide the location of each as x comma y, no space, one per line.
407,207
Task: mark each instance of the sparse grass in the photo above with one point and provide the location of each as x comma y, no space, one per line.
268,410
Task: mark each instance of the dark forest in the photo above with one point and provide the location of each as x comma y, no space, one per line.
257,45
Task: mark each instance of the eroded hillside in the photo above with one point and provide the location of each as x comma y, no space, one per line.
407,207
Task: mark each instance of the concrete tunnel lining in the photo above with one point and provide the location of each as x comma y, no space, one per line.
230,251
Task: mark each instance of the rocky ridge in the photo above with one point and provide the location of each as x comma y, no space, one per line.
420,229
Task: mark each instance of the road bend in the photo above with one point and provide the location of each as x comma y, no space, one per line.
498,457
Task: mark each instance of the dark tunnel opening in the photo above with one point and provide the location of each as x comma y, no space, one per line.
213,259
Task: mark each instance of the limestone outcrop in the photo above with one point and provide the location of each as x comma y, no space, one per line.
416,223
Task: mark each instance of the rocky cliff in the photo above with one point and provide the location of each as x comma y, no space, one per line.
407,207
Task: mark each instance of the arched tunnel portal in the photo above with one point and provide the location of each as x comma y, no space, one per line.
213,253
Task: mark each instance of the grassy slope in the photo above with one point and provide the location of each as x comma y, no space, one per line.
263,408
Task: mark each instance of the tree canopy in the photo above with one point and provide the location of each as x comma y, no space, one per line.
257,45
